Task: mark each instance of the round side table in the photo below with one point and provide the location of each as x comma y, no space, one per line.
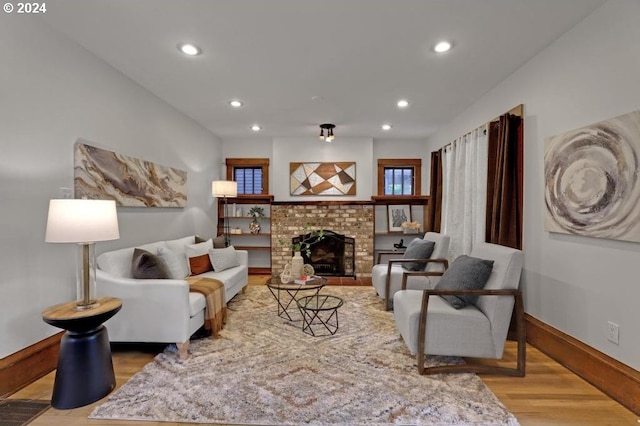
319,309
85,369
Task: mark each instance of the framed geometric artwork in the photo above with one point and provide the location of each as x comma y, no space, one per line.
397,214
323,178
592,180
107,175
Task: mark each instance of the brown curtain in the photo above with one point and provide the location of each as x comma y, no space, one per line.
504,182
434,213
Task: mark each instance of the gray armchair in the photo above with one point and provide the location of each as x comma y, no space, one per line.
387,278
430,325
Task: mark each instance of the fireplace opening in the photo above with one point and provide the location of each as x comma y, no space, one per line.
334,255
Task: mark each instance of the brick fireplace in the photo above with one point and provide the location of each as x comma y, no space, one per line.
352,219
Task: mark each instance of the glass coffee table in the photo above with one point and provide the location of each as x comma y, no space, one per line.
318,311
286,293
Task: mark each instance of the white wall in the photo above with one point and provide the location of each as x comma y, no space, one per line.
575,284
53,92
345,149
286,150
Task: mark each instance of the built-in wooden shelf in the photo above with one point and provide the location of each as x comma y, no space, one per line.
262,240
400,199
246,217
252,247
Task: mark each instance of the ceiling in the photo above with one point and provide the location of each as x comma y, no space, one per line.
299,63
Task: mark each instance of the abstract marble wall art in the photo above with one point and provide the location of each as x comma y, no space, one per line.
591,180
323,178
102,174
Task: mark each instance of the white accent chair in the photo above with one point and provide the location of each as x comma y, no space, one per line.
387,278
430,325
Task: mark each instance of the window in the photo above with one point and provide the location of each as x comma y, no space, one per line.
252,174
399,176
398,181
249,179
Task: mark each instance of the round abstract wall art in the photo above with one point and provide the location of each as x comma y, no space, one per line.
591,180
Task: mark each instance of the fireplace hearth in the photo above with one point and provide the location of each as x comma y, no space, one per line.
333,256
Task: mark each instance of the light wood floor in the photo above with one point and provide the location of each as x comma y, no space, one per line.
548,395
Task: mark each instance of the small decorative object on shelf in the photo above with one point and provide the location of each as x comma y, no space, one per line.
257,213
400,245
254,227
410,227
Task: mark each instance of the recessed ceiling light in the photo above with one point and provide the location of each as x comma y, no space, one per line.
386,127
403,103
235,103
256,128
189,49
442,47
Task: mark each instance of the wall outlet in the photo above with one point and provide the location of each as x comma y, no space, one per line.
613,332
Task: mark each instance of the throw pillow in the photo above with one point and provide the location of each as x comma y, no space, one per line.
146,265
198,256
200,264
219,242
178,267
465,273
418,249
222,259
199,239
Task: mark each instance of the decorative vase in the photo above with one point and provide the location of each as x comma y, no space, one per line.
297,263
254,227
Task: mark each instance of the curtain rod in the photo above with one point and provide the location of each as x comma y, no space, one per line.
517,110
468,133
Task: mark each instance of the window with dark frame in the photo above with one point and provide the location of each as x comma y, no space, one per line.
398,181
249,179
398,177
251,174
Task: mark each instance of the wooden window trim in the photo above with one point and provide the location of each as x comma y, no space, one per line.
250,162
416,163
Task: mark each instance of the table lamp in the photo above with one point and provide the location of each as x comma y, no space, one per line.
83,222
225,189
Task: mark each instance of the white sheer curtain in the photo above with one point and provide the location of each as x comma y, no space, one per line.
464,191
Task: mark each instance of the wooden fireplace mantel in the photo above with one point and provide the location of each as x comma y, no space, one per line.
376,199
322,203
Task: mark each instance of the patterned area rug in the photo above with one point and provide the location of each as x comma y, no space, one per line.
265,370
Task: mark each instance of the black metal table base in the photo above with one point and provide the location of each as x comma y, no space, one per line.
285,302
85,369
319,313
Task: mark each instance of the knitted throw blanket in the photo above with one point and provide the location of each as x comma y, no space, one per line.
215,315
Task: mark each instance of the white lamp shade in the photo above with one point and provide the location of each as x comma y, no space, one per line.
82,221
224,188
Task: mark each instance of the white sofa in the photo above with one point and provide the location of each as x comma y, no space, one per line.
159,310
